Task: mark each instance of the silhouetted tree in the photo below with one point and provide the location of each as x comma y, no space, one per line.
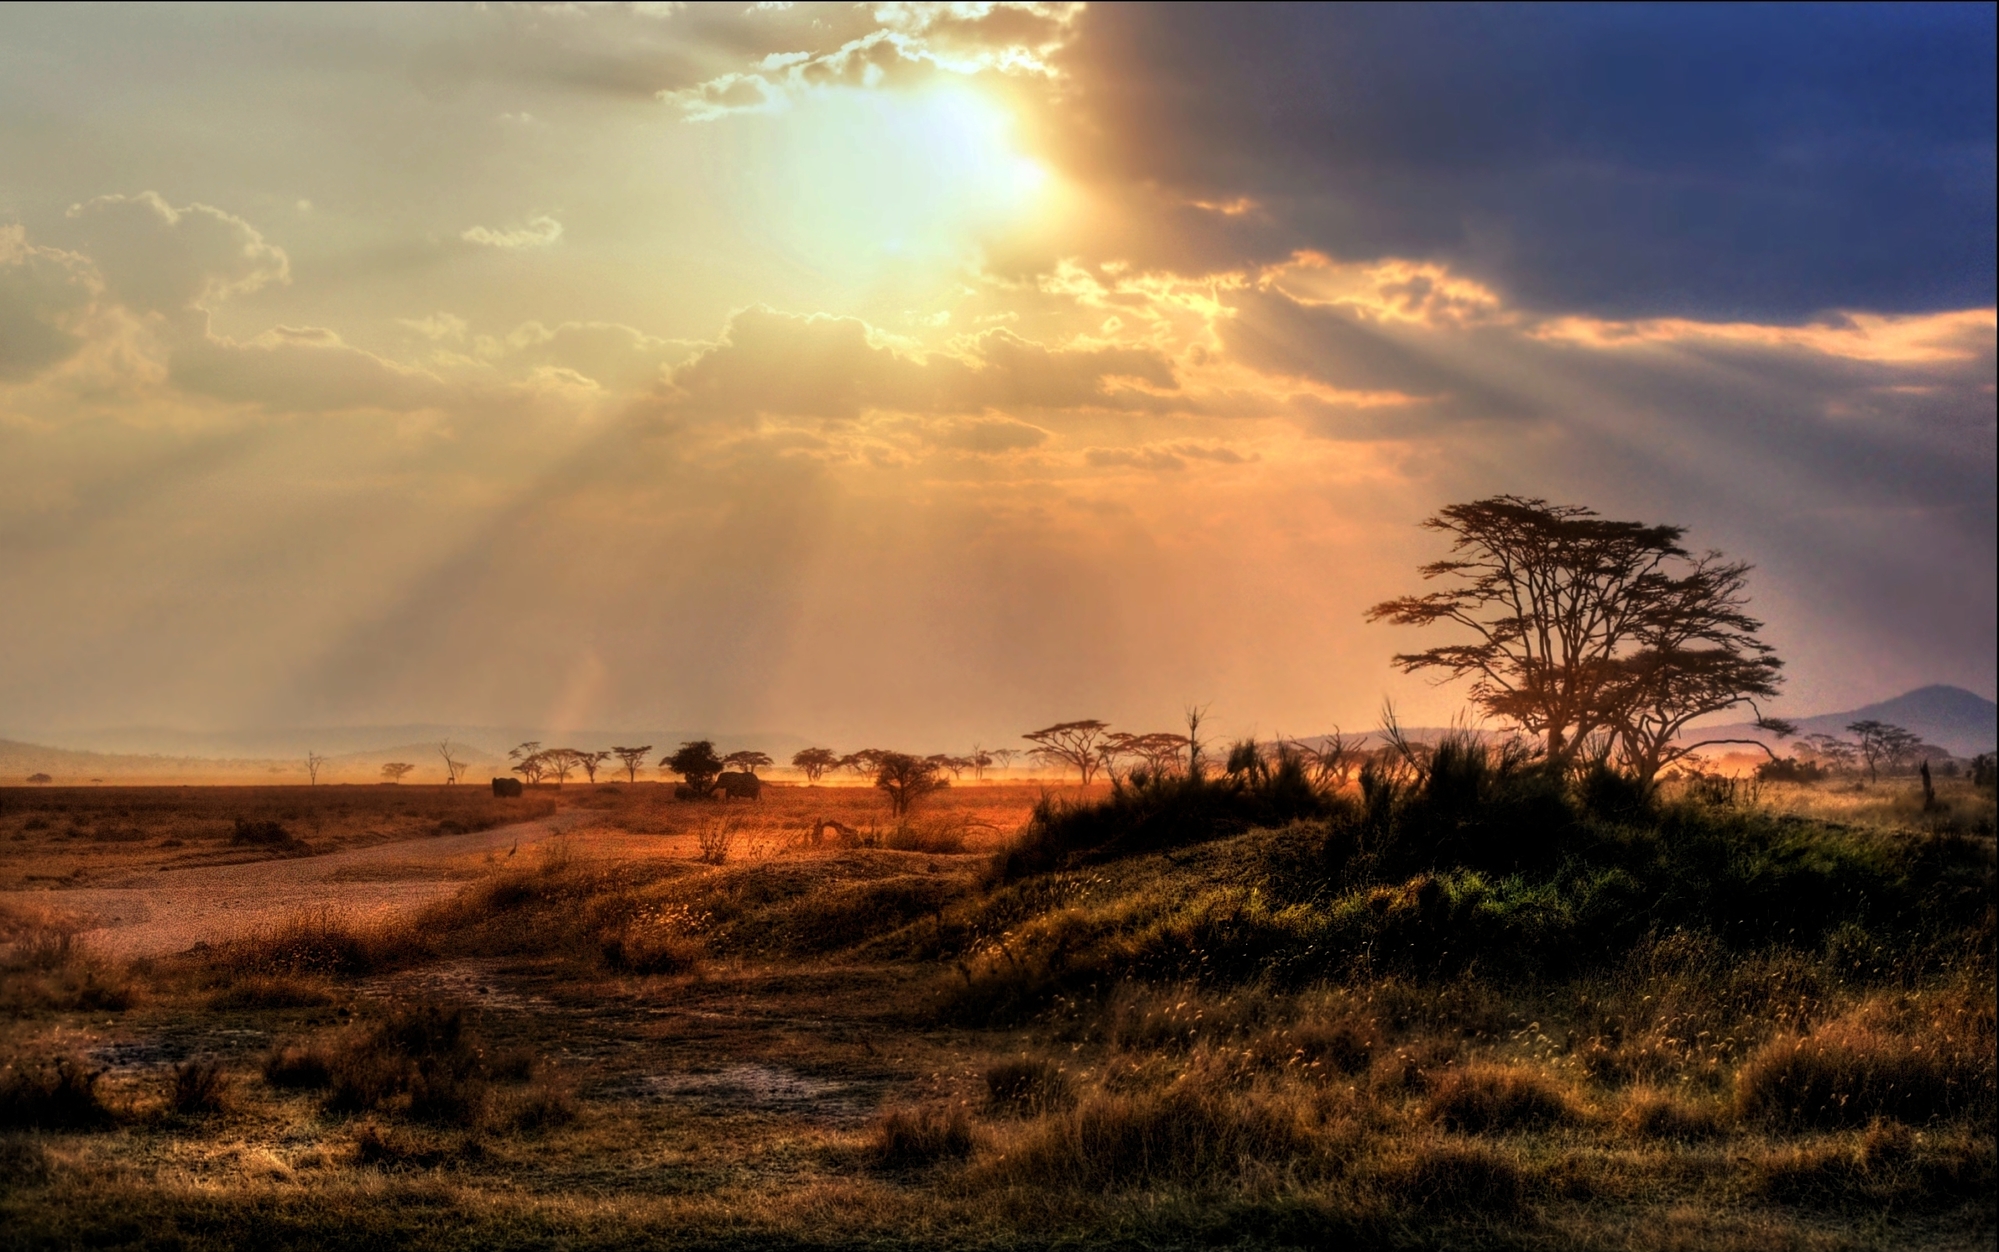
1589,631
43,780
814,762
747,761
906,779
632,758
866,762
313,762
394,771
1076,744
1830,753
1883,743
527,761
453,767
591,762
697,765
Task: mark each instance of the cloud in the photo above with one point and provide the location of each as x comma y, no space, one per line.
913,43
303,370
834,367
1756,164
988,435
43,294
156,258
539,232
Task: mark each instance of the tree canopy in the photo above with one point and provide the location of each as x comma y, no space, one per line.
1592,635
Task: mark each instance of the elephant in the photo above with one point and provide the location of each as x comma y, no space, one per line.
743,784
506,786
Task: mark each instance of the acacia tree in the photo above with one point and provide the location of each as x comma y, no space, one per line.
1882,742
747,761
312,763
528,761
560,762
1588,631
906,779
394,771
697,765
866,762
631,759
453,767
814,762
1079,745
591,762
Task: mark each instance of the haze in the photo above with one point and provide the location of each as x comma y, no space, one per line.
913,374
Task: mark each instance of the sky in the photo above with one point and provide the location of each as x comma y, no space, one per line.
914,375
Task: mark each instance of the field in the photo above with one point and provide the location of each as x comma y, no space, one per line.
1477,1009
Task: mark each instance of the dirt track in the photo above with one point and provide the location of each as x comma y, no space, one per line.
172,910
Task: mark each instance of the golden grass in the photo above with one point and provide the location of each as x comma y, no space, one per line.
613,1043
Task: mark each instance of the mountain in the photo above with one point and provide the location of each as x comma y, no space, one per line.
1962,722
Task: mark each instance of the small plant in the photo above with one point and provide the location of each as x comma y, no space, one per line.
1483,1099
913,1138
1027,1087
54,1095
199,1087
298,1066
717,839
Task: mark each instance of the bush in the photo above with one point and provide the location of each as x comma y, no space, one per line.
1461,1176
1151,813
198,1087
1496,1099
298,1066
1853,1070
1655,1115
1027,1087
1182,1135
915,1138
55,1095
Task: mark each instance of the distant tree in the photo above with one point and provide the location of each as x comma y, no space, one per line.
1196,714
906,779
1079,745
945,763
866,762
697,765
313,761
1587,631
814,763
748,762
453,767
43,780
1829,753
632,758
560,763
394,771
1002,758
1331,761
591,762
1883,743
527,761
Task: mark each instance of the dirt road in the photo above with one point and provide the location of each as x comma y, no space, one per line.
171,910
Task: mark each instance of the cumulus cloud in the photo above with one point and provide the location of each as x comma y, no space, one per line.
539,232
302,370
43,293
834,367
988,435
156,258
911,44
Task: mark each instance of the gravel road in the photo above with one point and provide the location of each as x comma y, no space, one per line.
172,910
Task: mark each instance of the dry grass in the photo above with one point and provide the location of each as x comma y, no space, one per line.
71,836
615,1044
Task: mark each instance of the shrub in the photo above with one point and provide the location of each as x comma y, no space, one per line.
634,950
1026,1087
198,1087
55,1095
1181,1135
1461,1176
1853,1070
258,991
1655,1115
1338,1045
1482,1099
298,1066
319,943
419,1061
914,1138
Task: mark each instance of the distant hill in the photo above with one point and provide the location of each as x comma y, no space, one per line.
1963,722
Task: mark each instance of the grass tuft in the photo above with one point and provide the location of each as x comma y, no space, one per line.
51,1095
921,1136
1497,1099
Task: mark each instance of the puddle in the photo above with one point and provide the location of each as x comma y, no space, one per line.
764,1088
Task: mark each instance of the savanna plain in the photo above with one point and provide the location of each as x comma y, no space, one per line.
1460,1001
